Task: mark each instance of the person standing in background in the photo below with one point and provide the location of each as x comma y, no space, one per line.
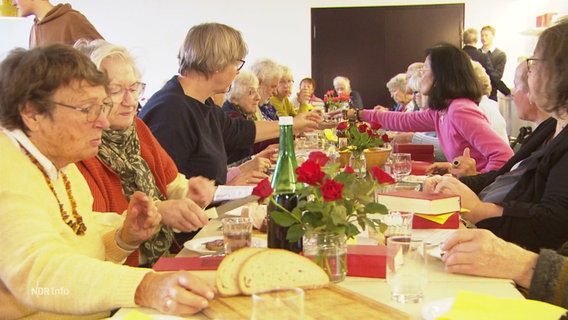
498,58
55,24
470,38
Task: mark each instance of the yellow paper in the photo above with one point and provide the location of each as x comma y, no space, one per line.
329,135
439,218
136,315
475,306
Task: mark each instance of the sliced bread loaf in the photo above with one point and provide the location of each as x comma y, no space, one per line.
226,278
277,268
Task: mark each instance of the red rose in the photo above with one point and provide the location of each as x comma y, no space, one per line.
344,97
369,132
318,157
348,169
331,190
381,176
262,189
385,138
342,125
362,128
310,172
335,99
375,125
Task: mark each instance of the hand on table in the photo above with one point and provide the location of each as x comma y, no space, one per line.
201,190
260,164
250,178
270,153
142,220
439,168
182,214
179,293
479,252
463,165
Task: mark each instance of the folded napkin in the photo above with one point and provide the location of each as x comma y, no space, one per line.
469,305
438,218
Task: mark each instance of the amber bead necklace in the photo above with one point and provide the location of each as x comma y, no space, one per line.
76,223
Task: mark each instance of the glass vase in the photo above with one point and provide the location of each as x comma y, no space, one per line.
329,251
358,163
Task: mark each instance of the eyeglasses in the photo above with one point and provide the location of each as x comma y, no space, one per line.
240,64
135,90
287,81
92,111
531,62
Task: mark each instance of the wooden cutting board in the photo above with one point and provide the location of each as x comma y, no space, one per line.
333,302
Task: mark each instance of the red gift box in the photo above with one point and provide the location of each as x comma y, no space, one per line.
188,263
453,222
366,261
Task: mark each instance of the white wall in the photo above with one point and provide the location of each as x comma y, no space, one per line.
154,29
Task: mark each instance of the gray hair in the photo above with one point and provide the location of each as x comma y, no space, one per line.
266,69
413,76
397,82
241,84
342,79
210,47
99,50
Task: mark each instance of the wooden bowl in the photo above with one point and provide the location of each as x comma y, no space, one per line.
376,157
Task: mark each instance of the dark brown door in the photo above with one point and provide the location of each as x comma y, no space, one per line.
370,45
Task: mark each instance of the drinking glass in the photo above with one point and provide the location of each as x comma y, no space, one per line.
279,304
406,269
401,165
237,233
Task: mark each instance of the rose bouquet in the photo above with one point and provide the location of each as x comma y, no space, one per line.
362,135
332,201
334,102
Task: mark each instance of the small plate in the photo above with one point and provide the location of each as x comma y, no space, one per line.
198,245
437,308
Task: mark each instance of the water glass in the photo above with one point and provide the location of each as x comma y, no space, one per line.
406,269
279,304
237,233
401,165
399,224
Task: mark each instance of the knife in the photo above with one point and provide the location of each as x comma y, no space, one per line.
220,211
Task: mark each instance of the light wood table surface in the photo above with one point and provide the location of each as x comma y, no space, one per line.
441,285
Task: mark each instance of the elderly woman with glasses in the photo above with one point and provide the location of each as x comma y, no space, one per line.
480,252
525,201
59,259
242,103
280,99
131,159
185,120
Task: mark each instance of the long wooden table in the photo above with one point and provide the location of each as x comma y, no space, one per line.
441,285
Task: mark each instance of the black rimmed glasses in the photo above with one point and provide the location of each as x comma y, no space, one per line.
91,111
135,90
240,64
531,62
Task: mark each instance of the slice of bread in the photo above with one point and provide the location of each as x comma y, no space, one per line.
278,268
226,278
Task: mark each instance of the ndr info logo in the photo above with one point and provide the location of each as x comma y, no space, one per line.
49,291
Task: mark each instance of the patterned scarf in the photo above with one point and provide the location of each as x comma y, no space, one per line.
120,150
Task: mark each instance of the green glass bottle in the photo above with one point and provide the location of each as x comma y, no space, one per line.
284,184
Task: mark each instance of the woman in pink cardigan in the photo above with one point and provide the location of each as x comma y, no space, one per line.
453,94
